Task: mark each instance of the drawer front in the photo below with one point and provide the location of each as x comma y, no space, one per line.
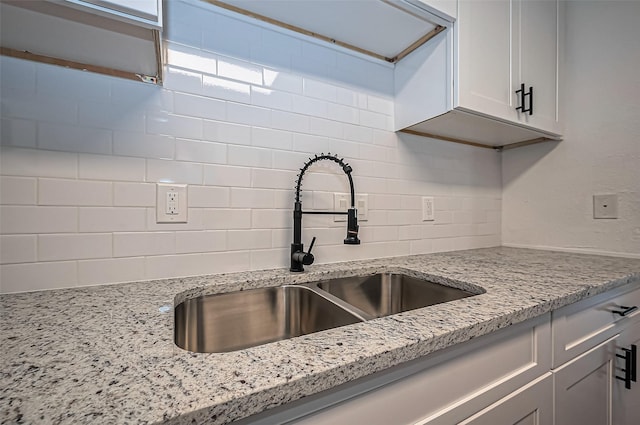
443,388
581,326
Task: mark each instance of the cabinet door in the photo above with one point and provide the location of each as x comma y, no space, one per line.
535,50
530,405
484,58
583,387
626,402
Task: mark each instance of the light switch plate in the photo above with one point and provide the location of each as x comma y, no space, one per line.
342,202
605,206
171,203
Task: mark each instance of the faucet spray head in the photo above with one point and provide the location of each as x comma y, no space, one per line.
352,227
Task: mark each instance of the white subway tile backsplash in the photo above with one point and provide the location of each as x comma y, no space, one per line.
62,137
310,106
17,75
104,167
238,240
74,192
38,276
220,218
188,58
240,71
191,105
219,131
127,143
40,108
81,154
181,80
18,132
273,99
249,156
252,198
165,171
247,114
134,194
196,151
225,175
203,241
74,246
110,270
110,219
208,197
18,249
37,219
271,138
324,127
272,179
132,244
282,80
36,163
271,219
18,190
224,89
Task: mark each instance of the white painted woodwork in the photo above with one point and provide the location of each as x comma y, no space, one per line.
530,405
580,326
385,28
145,9
493,47
583,387
626,402
81,34
448,9
430,390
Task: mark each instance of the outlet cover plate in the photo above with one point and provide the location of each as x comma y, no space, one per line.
342,202
605,206
171,203
428,208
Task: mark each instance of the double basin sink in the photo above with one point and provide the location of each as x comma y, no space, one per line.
236,320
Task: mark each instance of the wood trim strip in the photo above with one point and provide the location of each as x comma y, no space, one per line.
157,41
447,139
476,144
303,31
526,143
21,54
428,36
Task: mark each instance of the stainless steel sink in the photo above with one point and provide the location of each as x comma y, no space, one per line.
384,294
236,320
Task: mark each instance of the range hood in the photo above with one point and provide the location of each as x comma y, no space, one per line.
385,29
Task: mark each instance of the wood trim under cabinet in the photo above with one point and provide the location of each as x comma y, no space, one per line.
437,30
476,144
22,54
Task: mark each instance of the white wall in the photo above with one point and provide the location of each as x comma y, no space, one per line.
242,108
548,189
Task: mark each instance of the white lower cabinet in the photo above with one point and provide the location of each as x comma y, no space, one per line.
564,368
592,340
583,387
626,401
492,375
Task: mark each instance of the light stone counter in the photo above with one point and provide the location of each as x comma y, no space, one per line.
106,355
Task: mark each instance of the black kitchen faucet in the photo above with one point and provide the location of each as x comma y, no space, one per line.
300,258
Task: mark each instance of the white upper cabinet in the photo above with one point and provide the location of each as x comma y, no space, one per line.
500,67
148,11
113,37
384,29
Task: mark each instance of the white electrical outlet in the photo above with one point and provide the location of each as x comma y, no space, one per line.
342,202
605,206
171,203
428,208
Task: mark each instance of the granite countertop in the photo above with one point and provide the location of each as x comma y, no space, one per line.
105,354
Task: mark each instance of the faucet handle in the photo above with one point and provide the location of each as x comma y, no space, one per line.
313,240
